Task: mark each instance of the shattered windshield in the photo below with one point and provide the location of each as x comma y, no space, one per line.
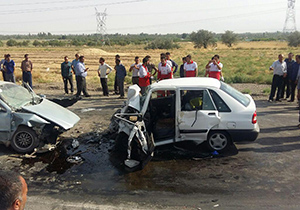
16,96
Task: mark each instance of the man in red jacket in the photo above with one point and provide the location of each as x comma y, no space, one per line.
144,75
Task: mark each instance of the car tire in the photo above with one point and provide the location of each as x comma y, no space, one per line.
218,141
24,140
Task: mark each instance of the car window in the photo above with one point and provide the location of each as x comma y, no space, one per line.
220,104
240,97
14,95
192,100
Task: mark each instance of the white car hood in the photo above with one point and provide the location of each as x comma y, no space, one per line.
54,113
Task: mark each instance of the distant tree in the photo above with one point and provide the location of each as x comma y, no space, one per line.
1,43
294,39
11,43
203,38
36,43
229,38
161,44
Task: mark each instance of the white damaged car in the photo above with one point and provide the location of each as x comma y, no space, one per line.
28,121
202,110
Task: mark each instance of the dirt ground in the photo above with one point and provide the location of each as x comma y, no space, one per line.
258,175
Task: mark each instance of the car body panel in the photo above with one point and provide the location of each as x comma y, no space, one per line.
54,113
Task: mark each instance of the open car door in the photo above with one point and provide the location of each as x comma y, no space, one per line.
196,116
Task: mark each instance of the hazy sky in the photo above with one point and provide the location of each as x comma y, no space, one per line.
148,16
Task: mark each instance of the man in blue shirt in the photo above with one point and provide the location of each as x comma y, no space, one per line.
120,74
289,62
292,76
174,65
81,73
9,68
66,73
75,61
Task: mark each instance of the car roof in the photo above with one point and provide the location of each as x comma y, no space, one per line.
3,83
188,82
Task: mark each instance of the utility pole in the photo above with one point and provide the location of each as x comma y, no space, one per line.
290,20
101,26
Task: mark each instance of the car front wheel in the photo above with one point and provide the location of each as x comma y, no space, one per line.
24,140
218,141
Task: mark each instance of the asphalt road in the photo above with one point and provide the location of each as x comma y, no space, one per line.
259,175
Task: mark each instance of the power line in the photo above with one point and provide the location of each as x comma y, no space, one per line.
243,15
39,3
15,12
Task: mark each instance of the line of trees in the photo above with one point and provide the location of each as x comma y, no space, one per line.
201,38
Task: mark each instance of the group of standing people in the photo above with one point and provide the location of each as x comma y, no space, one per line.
8,66
144,72
77,67
286,77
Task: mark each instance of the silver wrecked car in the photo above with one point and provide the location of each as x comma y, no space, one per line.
28,121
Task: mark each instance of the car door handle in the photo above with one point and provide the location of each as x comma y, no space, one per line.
211,113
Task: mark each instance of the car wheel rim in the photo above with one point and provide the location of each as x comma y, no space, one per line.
218,141
23,140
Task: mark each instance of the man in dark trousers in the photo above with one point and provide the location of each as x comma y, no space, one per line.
121,74
26,67
289,63
81,73
182,67
292,77
116,82
279,72
66,73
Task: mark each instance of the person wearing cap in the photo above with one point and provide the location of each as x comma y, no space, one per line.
134,68
174,65
26,67
190,67
66,73
279,68
9,68
103,70
81,73
214,68
144,75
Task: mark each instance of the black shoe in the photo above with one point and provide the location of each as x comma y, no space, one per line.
78,97
278,100
87,96
290,101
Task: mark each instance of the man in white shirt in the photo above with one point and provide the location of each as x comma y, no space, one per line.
134,68
279,68
81,73
102,73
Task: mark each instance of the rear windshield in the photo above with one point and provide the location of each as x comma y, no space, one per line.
237,95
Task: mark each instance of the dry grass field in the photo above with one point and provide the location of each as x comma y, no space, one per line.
246,62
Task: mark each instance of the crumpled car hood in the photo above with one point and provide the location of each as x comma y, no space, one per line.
54,113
